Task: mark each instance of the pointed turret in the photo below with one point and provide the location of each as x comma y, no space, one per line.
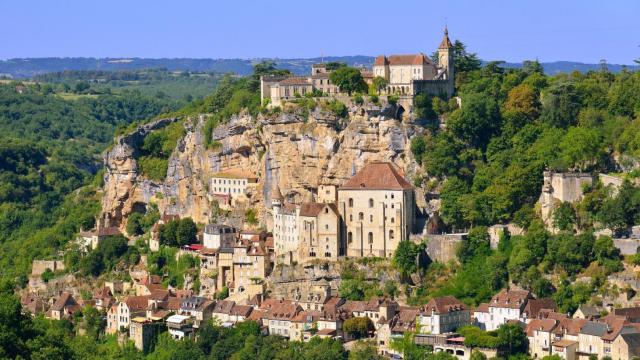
276,195
445,43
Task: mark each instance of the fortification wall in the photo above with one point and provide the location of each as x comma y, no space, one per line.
40,266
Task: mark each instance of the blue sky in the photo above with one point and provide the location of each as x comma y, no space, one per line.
575,30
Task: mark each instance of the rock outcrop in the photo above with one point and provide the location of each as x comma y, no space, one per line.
297,152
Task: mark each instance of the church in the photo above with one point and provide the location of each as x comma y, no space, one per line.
417,73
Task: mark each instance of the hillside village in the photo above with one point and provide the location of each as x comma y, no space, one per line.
268,219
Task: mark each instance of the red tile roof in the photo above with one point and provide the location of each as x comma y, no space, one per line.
312,209
445,43
377,176
135,303
540,325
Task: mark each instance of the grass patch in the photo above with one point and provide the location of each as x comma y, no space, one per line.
153,168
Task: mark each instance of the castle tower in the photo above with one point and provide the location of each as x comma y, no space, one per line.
445,59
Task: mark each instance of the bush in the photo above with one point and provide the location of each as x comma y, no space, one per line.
393,99
358,100
358,327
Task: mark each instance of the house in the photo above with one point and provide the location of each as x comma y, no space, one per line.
312,298
250,265
587,312
442,315
626,346
199,308
508,304
33,304
216,236
180,327
377,209
64,307
222,311
142,332
239,313
103,298
536,308
540,335
565,348
279,317
132,306
304,325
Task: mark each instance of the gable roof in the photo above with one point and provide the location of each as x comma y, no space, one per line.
135,303
63,301
377,176
594,328
512,298
540,325
400,60
443,304
535,306
633,341
312,209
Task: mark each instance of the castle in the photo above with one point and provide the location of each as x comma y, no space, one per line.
404,75
367,216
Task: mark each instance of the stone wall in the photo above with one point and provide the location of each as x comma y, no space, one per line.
442,248
558,188
40,266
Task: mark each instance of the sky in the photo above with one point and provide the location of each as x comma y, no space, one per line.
513,31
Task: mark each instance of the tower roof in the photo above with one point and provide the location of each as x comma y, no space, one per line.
276,194
445,43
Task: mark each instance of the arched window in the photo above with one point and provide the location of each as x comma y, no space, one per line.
370,218
391,235
360,216
350,202
392,220
370,238
370,203
350,217
350,237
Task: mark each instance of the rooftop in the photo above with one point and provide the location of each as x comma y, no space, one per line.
377,176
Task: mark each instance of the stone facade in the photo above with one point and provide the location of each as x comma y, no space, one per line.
417,73
377,209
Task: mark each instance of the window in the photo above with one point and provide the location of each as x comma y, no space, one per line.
326,210
350,202
392,220
350,217
391,235
326,226
370,238
350,237
370,218
370,203
360,216
392,196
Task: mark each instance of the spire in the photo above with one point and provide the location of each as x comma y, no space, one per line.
445,43
276,194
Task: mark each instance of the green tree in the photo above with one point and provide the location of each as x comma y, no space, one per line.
513,339
358,327
364,350
349,80
405,258
476,121
564,217
379,83
186,231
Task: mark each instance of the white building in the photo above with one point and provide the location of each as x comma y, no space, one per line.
442,315
233,183
286,238
506,305
180,326
216,236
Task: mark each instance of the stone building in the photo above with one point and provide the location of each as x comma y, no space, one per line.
417,73
319,229
377,210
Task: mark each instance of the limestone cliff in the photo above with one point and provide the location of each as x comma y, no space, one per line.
296,151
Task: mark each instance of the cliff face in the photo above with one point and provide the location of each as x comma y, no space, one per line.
294,151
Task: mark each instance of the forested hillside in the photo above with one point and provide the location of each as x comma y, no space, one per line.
486,163
50,141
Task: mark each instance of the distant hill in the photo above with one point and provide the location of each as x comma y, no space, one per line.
28,67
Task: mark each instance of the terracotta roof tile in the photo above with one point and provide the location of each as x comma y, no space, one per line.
377,176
